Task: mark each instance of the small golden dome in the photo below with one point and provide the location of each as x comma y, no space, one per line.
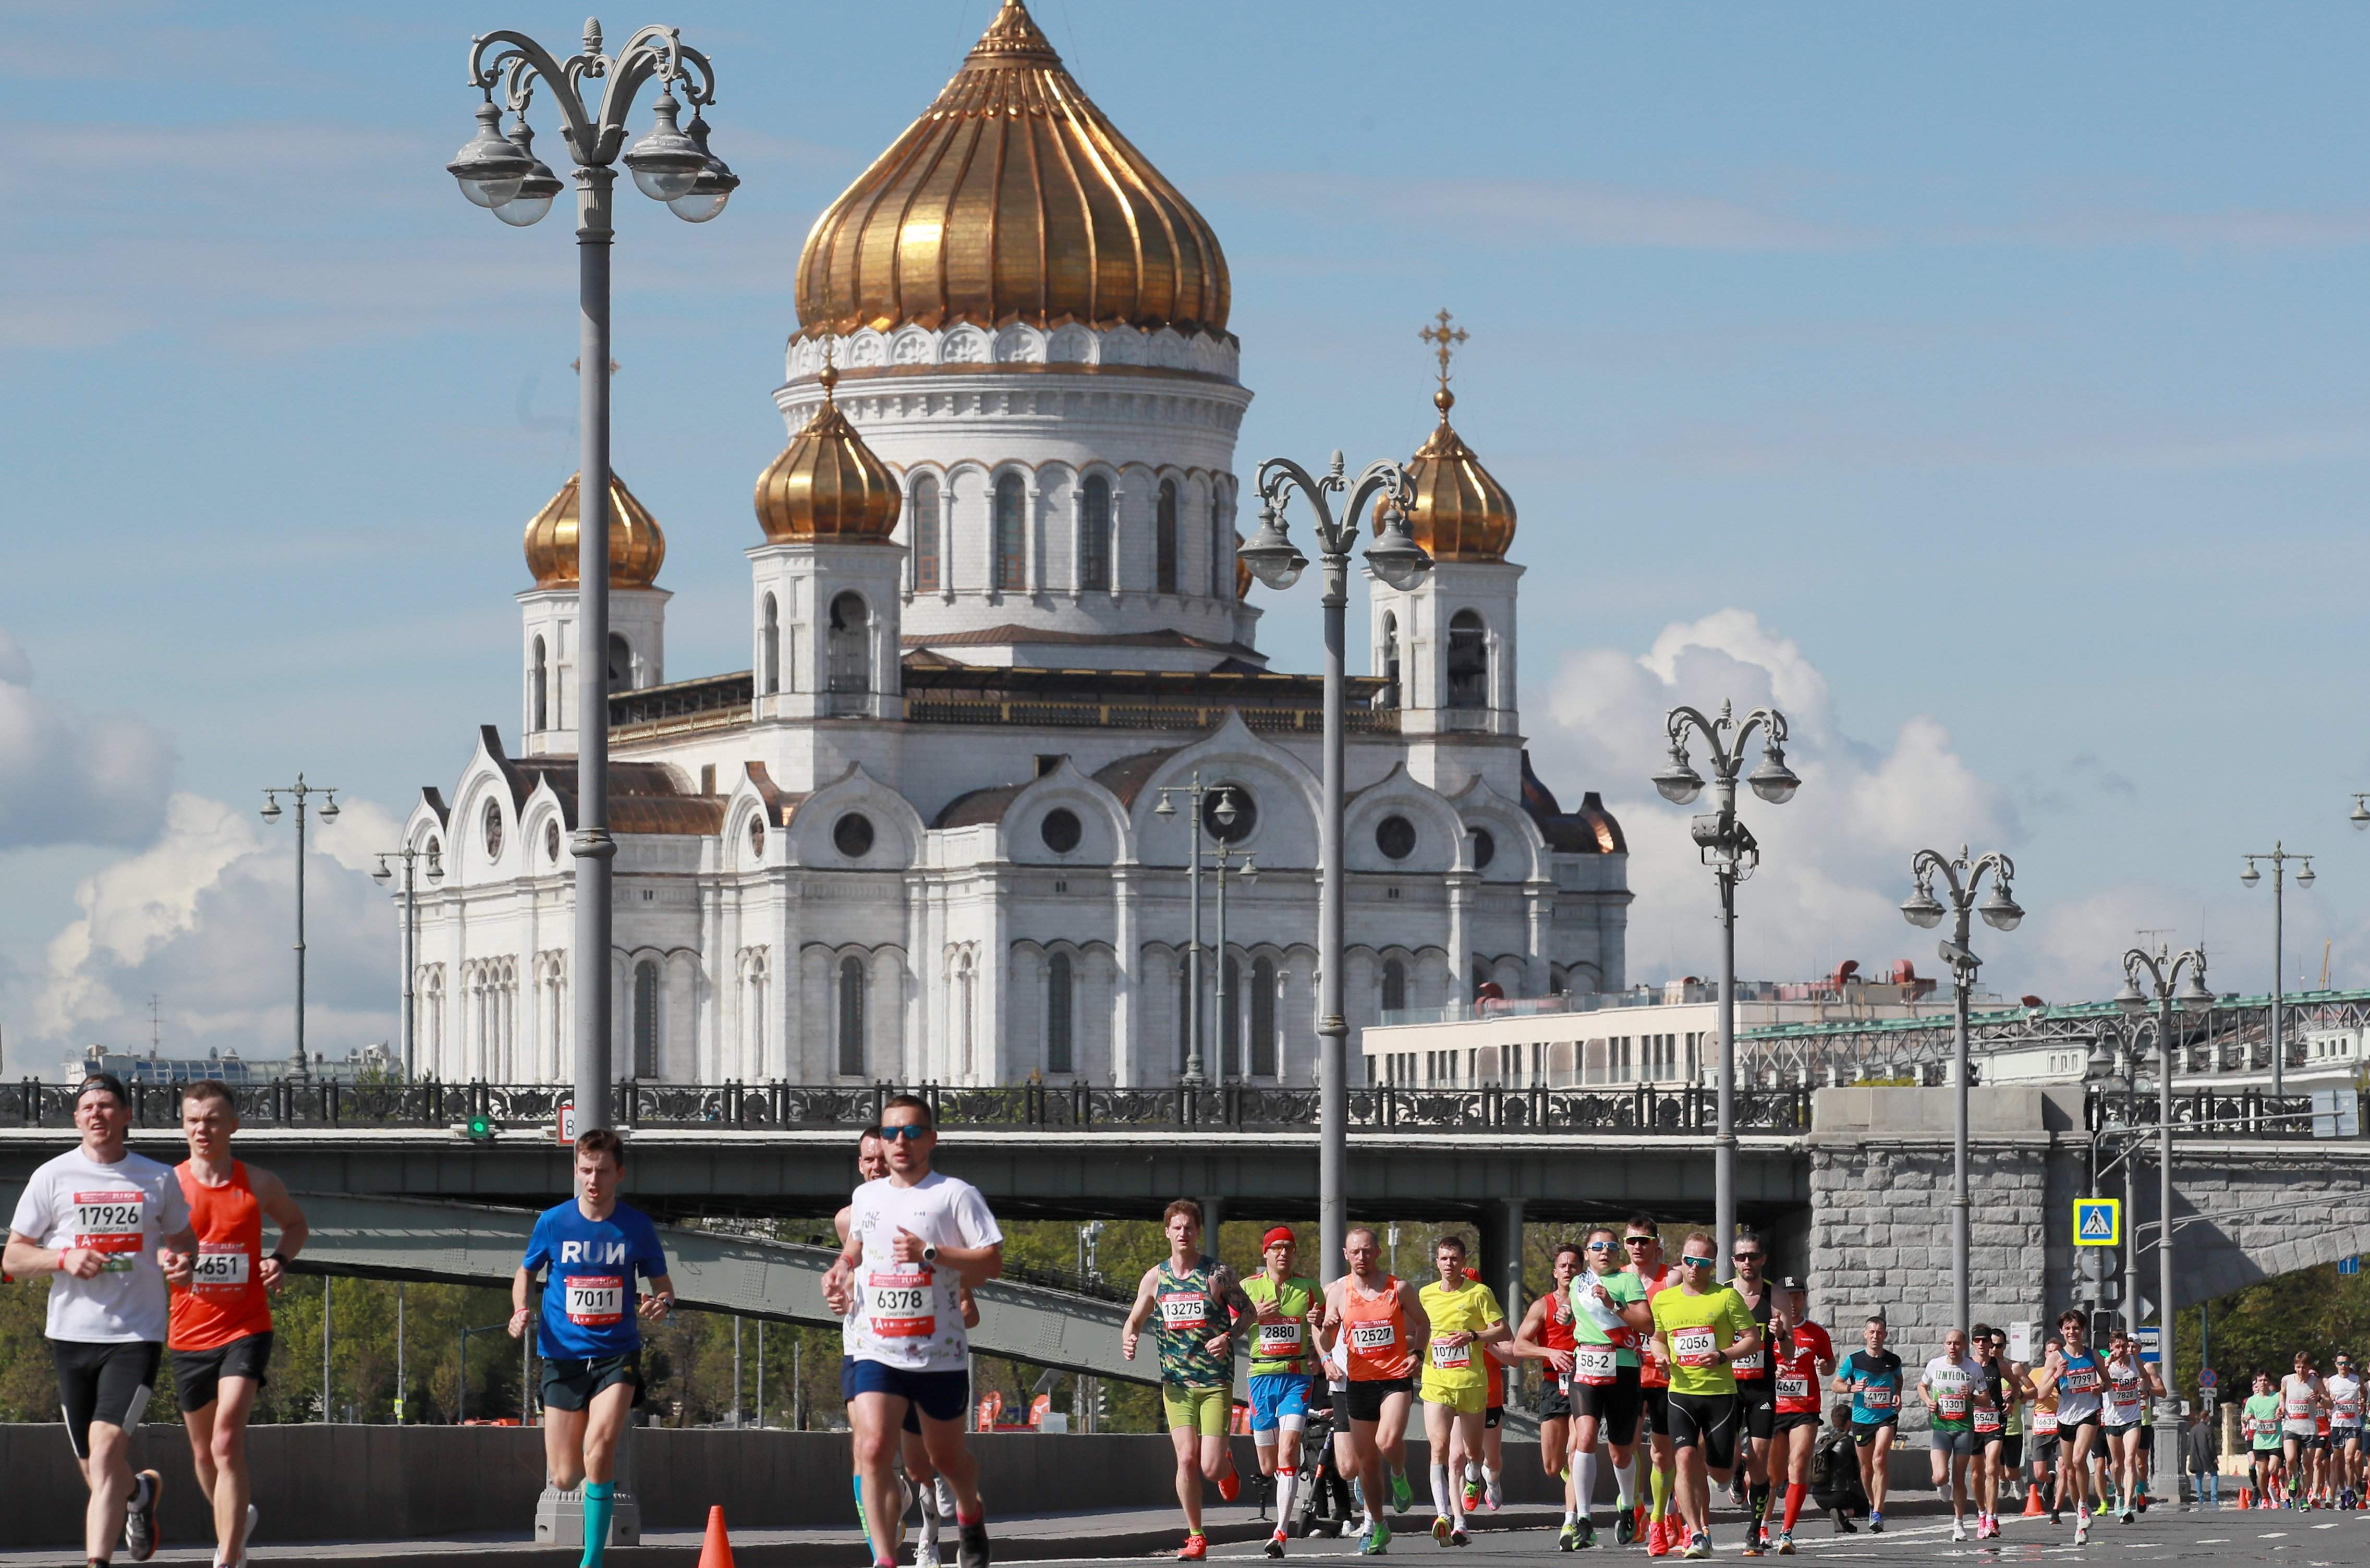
637,547
827,485
1242,574
1012,198
1461,512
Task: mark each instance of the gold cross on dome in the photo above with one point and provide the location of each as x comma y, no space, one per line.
1444,338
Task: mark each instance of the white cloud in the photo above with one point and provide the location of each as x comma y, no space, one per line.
68,778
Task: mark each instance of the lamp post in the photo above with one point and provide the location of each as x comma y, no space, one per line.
1961,876
1222,860
1730,849
2163,977
1397,561
2279,856
434,869
502,173
297,793
1223,814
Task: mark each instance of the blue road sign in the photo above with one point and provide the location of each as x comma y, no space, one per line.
2098,1222
2150,1353
2349,1265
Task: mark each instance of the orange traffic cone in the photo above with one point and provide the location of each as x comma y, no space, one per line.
716,1550
2245,1497
2033,1509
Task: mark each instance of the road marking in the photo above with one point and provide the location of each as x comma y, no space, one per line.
2272,1535
2328,1527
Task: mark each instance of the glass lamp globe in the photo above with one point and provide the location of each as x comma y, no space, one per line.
1272,556
1679,783
1773,781
665,162
536,191
714,186
1397,559
490,165
2000,912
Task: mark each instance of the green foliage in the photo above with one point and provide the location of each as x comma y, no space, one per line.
2259,1329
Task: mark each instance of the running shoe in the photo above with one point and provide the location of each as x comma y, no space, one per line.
1230,1486
2130,1515
1440,1529
1876,1521
1370,1545
1587,1528
1472,1494
1275,1544
1957,1529
246,1533
1568,1537
1786,1543
1380,1532
1196,1546
926,1553
1458,1538
140,1535
2082,1530
970,1544
1625,1527
1401,1494
1493,1493
1753,1545
1698,1546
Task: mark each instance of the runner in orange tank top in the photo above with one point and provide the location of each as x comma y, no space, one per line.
1377,1322
220,1335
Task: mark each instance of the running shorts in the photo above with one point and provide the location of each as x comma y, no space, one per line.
2068,1425
1955,1441
1615,1405
940,1396
1784,1421
1279,1397
1367,1394
2267,1450
848,1394
2044,1449
1756,1405
106,1381
1492,1417
1708,1422
2341,1436
1464,1402
1555,1401
2112,1433
1864,1432
570,1381
1654,1407
2012,1451
1202,1408
197,1374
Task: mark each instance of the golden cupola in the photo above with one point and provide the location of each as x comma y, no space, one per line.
637,547
1011,199
1461,512
827,486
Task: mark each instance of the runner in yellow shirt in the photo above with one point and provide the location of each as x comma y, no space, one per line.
1703,1327
1464,1317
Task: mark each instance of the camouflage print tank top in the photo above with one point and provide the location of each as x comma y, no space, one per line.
1189,1313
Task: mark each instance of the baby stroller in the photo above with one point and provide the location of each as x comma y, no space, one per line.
1324,1506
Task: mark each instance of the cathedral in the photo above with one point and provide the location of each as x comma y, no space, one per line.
939,828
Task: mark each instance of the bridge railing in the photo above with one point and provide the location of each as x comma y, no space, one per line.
1643,1109
2228,1113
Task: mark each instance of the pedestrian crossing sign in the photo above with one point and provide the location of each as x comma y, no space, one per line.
2098,1222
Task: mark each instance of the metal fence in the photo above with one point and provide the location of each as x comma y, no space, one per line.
2237,1113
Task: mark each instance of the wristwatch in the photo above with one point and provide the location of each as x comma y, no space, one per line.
929,1252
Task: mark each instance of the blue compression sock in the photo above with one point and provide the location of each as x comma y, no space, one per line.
600,1498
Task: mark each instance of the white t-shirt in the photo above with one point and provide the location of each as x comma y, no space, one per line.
121,1210
1952,1384
2296,1399
910,1315
2344,1400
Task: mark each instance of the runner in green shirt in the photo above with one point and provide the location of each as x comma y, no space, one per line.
1703,1326
1192,1300
2262,1421
1608,1312
1287,1312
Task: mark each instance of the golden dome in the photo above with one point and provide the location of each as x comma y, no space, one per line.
1461,512
1242,574
827,485
637,547
1012,198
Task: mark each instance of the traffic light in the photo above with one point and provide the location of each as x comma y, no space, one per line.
479,1128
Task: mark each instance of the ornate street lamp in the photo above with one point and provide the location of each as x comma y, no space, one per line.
297,792
2279,856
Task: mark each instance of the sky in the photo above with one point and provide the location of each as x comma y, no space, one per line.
1981,385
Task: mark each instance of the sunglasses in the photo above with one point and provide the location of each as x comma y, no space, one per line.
1600,1246
904,1133
1693,1261
1744,1257
1639,1240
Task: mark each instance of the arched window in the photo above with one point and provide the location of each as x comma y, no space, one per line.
1011,506
1094,533
1468,660
1164,540
851,1018
926,534
1230,1023
646,1019
1386,662
1394,986
851,644
1057,1014
542,688
621,664
1263,1018
769,653
1218,542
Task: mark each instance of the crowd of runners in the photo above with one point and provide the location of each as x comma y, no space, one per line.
1658,1376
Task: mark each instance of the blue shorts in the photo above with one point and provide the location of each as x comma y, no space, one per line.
1274,1396
939,1395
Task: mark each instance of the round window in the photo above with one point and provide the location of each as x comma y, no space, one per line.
1485,848
1234,823
493,830
756,837
1059,830
1395,836
551,840
853,835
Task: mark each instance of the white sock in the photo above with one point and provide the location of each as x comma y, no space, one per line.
1625,1484
1472,1470
1287,1482
1439,1491
1584,1480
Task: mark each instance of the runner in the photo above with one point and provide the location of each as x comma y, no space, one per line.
221,1334
1464,1319
1610,1317
2041,1451
1871,1376
115,1230
1992,1408
1288,1309
1546,1335
2129,1383
1802,1355
2079,1376
1485,1475
2261,1419
2016,1400
1377,1321
1755,1398
2301,1398
1951,1388
1643,1240
2344,1387
1703,1327
1197,1301
917,1237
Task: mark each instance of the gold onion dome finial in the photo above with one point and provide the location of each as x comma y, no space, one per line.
1461,512
827,484
637,547
1011,199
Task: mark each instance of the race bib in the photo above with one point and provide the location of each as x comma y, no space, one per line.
1184,1310
1276,1341
595,1300
1874,1396
2347,1413
1694,1346
2081,1380
1751,1364
899,1303
1595,1364
2298,1408
1951,1402
2044,1424
1988,1420
1373,1333
219,1265
110,1223
1446,1357
1793,1385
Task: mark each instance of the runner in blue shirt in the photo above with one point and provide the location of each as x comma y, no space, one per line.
594,1247
1872,1377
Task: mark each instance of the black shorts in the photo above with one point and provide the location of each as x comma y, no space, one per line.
848,1395
1708,1422
1782,1421
1366,1395
2012,1451
1654,1407
2112,1432
1615,1405
1864,1432
103,1381
570,1381
1493,1417
1756,1405
1555,1401
2069,1425
197,1374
